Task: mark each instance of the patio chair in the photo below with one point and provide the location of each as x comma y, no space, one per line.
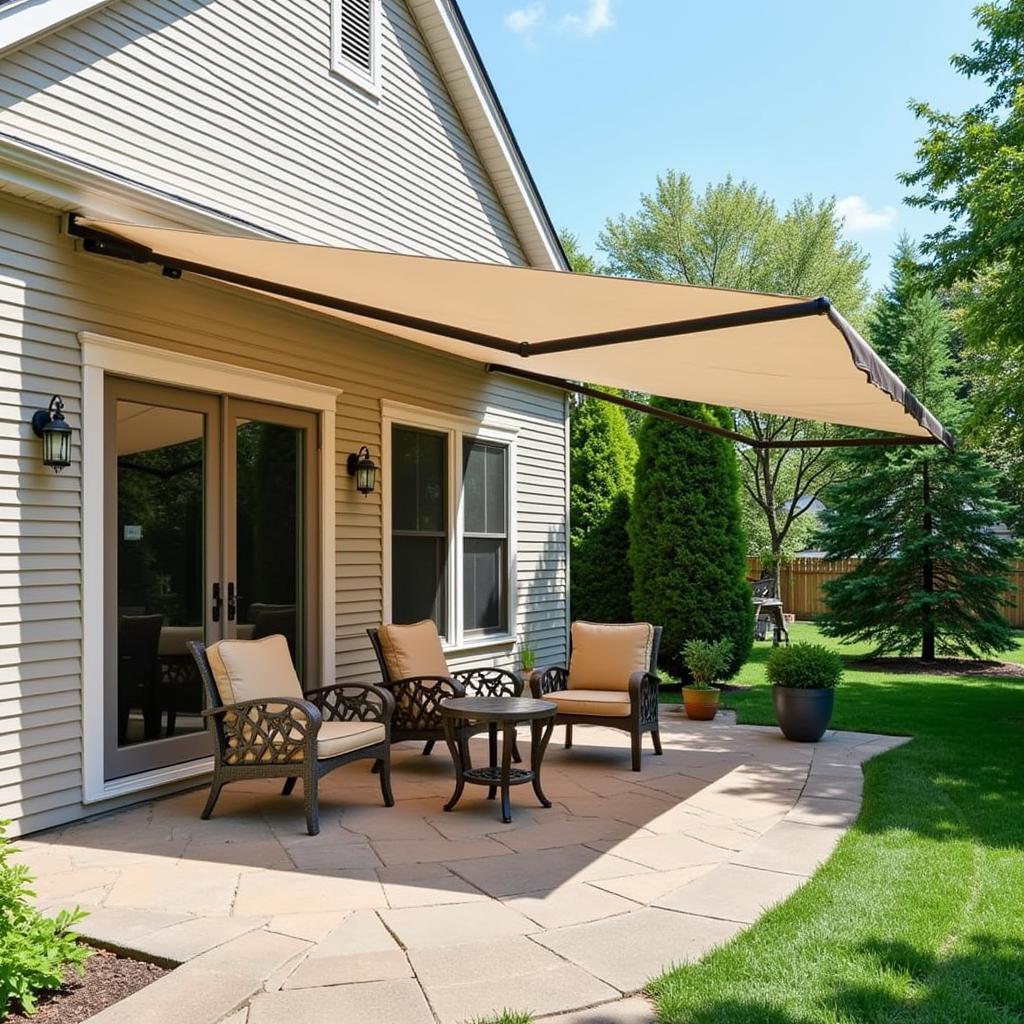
265,727
414,670
611,681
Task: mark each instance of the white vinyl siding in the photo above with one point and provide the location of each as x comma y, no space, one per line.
48,293
233,106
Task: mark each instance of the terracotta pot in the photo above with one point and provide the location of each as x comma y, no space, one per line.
700,705
803,715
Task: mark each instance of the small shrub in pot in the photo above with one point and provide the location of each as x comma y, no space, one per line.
705,660
804,678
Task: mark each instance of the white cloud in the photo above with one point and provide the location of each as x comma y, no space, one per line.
523,20
858,216
595,18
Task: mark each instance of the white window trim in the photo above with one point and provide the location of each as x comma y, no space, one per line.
488,427
370,83
102,355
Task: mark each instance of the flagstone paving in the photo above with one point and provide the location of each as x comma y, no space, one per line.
406,915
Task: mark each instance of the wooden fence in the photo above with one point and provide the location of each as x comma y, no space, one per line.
801,581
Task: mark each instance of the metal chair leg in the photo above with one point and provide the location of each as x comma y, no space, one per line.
385,782
310,786
289,785
211,800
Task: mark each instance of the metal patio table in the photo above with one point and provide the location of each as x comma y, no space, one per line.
503,712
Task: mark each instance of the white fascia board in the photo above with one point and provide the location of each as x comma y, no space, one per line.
454,55
73,186
25,20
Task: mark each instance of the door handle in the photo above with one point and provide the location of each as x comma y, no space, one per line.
232,607
216,603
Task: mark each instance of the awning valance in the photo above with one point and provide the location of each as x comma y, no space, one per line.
770,353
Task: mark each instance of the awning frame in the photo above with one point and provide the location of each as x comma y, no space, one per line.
571,387
111,245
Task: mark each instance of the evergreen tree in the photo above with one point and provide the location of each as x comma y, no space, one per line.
932,575
602,463
687,546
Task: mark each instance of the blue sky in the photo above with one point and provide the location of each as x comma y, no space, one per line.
797,96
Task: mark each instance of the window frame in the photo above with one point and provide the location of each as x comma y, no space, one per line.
344,68
492,429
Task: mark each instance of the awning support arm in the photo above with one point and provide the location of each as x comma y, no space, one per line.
709,428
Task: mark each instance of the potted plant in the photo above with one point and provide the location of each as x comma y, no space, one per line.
527,661
804,678
706,660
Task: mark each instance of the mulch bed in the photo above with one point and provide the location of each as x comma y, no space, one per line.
943,667
108,979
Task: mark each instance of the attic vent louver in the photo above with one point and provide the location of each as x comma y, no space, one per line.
357,33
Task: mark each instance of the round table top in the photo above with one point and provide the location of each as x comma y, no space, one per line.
497,709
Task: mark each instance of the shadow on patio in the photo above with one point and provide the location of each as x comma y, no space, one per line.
588,899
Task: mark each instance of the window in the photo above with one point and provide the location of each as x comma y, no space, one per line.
484,537
356,42
419,526
451,553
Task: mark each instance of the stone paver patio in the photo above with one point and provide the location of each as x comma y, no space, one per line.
409,915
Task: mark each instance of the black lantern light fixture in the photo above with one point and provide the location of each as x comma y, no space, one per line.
364,469
50,425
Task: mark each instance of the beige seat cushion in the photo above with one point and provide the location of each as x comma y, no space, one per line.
412,650
341,737
253,669
609,703
605,655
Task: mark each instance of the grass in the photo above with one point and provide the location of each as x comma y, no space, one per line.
919,914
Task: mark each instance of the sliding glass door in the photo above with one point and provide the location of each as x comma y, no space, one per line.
211,533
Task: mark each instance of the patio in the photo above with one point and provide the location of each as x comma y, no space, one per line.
427,916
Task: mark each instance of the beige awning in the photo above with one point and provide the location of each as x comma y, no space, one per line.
770,353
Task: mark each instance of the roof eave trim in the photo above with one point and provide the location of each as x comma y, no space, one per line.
546,235
25,20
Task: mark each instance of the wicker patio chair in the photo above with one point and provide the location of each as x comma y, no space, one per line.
265,727
611,681
414,670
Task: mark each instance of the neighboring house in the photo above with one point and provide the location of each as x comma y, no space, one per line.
208,491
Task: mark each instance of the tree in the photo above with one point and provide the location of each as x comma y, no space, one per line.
687,547
602,463
932,575
580,262
733,236
970,168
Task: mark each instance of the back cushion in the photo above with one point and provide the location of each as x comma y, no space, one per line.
412,650
605,655
253,669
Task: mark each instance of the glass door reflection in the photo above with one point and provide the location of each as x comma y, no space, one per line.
159,516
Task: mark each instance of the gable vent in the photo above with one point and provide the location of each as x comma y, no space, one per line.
356,26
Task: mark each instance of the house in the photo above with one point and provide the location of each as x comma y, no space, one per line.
212,428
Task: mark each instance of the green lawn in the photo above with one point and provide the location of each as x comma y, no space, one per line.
919,914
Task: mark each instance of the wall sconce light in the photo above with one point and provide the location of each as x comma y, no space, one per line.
49,424
364,469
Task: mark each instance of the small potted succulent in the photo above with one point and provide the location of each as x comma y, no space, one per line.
706,660
527,662
804,678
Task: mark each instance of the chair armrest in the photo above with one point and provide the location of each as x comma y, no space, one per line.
549,680
275,730
347,702
418,706
489,682
643,695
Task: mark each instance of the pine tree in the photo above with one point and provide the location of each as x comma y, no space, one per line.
932,575
687,546
603,459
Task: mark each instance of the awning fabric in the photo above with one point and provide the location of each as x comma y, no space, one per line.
769,353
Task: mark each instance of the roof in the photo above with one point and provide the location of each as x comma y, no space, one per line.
458,62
